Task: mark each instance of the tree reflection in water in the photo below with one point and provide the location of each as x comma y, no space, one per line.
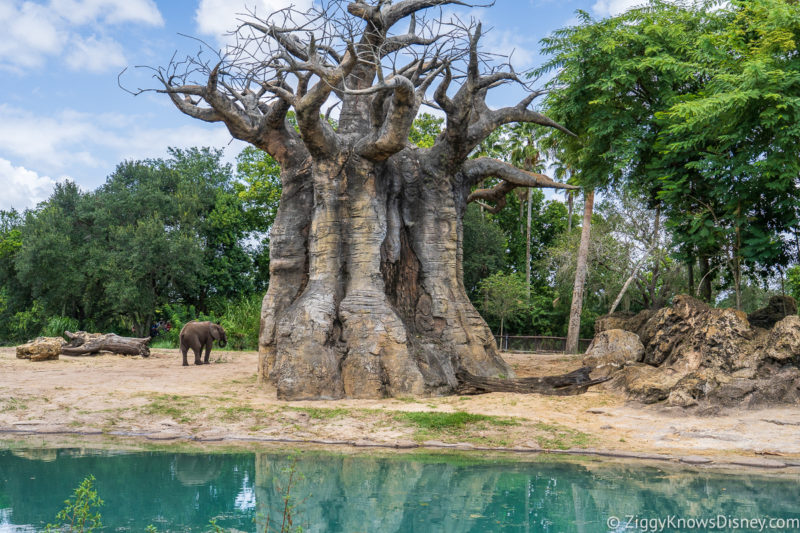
399,493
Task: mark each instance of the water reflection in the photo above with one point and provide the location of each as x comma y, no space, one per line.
182,492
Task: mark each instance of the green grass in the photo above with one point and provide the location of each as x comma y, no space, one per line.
558,437
162,344
450,421
13,404
322,412
237,412
176,407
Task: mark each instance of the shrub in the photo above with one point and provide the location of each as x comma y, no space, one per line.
56,325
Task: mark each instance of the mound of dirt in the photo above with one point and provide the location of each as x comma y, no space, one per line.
697,355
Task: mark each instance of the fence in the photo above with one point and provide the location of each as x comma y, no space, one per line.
537,344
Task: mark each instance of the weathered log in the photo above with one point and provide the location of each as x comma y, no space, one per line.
93,343
575,382
79,338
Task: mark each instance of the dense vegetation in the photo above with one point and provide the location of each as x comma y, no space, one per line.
687,119
162,240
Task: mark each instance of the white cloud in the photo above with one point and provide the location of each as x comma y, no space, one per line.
108,11
88,146
608,8
218,17
509,43
22,188
33,31
95,55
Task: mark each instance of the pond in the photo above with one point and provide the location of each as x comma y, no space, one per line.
380,493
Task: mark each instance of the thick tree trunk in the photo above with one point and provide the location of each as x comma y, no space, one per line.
83,343
573,333
384,311
576,382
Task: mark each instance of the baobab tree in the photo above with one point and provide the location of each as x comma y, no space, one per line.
366,297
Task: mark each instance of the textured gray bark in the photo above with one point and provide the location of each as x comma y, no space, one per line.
582,267
366,297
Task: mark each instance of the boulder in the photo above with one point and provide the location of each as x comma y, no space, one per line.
779,307
41,349
783,343
627,321
646,383
694,355
611,350
690,335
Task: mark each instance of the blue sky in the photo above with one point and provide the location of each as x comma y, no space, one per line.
63,116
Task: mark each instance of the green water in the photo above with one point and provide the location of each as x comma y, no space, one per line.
358,493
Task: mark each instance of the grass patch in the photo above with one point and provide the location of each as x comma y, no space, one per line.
162,344
13,404
176,407
461,426
558,437
322,413
237,412
451,421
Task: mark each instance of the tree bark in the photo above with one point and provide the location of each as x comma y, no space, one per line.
575,382
366,297
573,333
528,247
83,343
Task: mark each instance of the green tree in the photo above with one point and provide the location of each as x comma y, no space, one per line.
504,295
693,106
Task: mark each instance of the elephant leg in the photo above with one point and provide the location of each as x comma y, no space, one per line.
208,351
198,351
184,349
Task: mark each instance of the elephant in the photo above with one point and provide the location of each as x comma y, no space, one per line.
199,335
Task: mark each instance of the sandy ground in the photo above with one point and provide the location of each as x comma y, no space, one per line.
158,399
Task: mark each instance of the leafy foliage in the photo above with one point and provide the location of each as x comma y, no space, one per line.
78,514
694,106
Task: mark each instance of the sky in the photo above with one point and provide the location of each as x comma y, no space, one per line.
64,116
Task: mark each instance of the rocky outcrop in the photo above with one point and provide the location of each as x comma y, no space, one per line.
41,349
779,307
696,355
611,350
626,321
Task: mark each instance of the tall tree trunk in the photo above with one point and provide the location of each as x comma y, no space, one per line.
570,209
705,281
573,333
528,247
377,306
690,268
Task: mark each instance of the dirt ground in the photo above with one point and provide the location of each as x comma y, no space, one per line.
158,399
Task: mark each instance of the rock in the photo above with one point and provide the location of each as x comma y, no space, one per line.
41,349
646,383
783,343
627,321
758,462
611,350
779,307
695,460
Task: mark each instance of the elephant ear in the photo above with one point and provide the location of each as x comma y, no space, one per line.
216,331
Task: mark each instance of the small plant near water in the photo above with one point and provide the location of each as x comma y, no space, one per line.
79,513
451,425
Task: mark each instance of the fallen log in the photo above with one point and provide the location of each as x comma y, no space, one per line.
83,343
575,382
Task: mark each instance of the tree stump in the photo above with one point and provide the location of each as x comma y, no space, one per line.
575,382
83,343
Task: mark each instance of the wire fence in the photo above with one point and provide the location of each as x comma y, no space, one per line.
537,344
